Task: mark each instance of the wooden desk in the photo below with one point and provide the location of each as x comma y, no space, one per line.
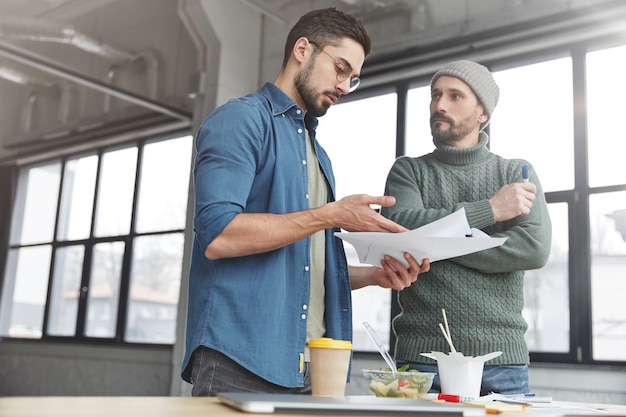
166,407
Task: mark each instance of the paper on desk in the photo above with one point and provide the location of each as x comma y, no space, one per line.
442,239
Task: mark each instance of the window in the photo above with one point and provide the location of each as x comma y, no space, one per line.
419,141
605,79
607,202
68,270
96,245
608,270
546,291
362,153
519,130
559,113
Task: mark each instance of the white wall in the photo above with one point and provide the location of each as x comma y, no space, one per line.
238,28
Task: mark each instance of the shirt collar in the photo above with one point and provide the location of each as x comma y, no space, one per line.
281,103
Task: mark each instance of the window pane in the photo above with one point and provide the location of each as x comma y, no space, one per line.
608,275
104,290
164,185
79,183
362,153
154,288
419,140
546,291
68,271
521,129
36,203
605,82
115,194
24,291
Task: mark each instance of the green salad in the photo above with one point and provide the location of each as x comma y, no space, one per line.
406,383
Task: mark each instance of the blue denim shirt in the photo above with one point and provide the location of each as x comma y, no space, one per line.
251,158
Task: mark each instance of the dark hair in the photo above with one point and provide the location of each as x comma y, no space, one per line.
327,27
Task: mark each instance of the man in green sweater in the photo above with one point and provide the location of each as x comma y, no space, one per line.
482,293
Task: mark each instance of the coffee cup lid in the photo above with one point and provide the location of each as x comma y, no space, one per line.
328,343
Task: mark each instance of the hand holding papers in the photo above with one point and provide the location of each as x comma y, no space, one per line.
445,238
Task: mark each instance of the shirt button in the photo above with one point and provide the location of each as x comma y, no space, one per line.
298,111
304,307
304,162
307,196
303,316
306,268
299,130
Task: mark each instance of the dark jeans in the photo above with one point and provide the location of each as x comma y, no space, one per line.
503,379
213,373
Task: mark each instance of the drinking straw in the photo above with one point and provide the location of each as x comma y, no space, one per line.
379,344
446,331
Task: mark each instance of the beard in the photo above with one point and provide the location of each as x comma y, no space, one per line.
455,133
307,92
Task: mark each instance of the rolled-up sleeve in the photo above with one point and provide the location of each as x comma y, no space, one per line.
225,165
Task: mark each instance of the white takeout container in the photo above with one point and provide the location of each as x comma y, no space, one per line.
460,374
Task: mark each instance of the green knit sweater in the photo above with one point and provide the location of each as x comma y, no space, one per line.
483,292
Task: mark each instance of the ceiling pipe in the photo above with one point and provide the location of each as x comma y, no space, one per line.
47,31
266,10
39,30
16,76
44,64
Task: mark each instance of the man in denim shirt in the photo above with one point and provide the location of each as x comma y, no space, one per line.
267,273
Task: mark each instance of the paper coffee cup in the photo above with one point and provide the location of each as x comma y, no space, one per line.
330,361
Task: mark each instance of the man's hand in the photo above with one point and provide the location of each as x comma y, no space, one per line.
354,213
393,273
513,200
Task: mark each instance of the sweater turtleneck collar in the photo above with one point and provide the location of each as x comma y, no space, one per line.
463,156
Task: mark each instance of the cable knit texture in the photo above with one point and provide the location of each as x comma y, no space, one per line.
482,293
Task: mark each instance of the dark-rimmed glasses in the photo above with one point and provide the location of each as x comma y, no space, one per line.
343,70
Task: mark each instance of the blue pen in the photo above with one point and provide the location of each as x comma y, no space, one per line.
525,173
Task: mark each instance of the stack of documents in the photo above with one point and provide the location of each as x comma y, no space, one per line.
445,238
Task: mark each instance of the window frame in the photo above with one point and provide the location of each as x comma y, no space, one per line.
90,242
577,199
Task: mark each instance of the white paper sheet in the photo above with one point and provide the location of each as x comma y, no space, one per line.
445,238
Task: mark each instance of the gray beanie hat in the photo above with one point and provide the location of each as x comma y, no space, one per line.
478,78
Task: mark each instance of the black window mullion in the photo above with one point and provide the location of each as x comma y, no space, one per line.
401,118
122,306
54,247
85,284
580,246
81,321
122,312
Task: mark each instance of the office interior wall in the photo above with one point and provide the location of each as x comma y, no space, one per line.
80,369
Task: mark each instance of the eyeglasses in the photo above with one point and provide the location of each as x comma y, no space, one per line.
343,69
